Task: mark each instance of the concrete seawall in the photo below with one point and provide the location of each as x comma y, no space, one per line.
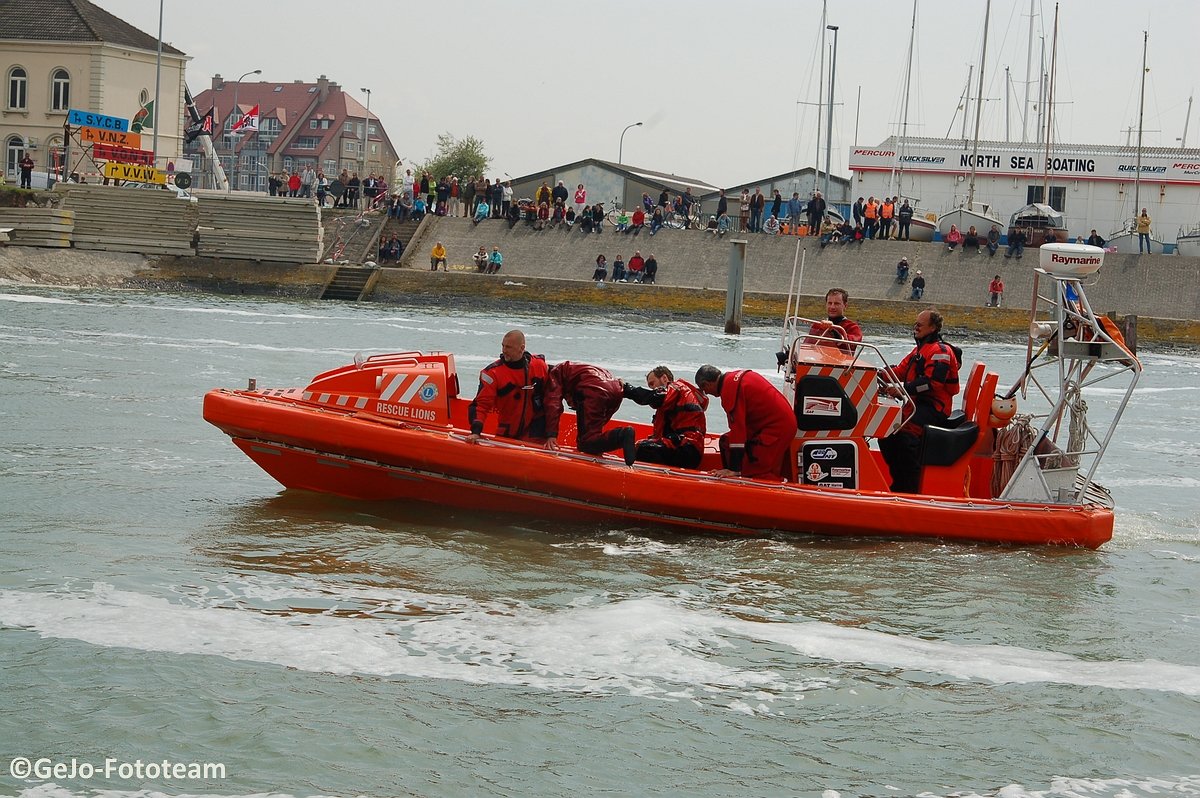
552,268
1160,286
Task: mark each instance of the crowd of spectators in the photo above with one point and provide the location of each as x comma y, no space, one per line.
638,270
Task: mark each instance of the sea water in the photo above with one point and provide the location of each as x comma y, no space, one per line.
164,603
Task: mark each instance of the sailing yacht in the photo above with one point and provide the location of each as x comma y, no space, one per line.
981,216
1125,240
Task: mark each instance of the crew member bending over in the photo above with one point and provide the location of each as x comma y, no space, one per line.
594,394
679,422
514,388
761,423
930,377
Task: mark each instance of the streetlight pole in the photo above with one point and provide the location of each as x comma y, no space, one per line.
621,147
362,170
233,167
157,82
829,124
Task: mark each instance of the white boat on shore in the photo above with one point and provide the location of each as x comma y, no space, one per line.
1125,242
1188,242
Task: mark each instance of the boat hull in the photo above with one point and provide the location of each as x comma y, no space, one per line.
964,219
366,458
1127,244
1188,245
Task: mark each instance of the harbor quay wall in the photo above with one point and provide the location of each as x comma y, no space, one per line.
549,268
1157,286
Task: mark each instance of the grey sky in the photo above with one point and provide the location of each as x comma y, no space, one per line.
719,86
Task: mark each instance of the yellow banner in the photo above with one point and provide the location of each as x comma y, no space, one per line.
134,173
95,135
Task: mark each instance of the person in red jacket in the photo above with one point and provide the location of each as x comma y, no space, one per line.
514,388
930,377
594,394
827,333
679,421
761,423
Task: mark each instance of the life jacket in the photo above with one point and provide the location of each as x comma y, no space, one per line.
680,420
930,373
888,210
516,393
871,210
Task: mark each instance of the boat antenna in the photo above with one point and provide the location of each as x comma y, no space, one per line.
1050,108
787,313
978,107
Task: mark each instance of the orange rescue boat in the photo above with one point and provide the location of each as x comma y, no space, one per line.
394,428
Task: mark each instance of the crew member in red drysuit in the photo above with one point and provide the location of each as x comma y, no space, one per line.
826,333
761,423
930,377
679,421
594,394
514,388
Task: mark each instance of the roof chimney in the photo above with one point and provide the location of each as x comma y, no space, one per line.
323,88
218,82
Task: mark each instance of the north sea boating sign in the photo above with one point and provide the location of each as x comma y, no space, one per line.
1026,161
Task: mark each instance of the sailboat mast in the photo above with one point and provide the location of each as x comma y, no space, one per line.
987,13
1137,176
1028,78
820,102
1050,108
898,172
1186,120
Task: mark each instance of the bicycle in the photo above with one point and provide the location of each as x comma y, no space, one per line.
693,221
613,215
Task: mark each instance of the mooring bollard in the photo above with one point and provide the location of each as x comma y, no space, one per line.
735,288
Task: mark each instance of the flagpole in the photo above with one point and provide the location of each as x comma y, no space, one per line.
157,83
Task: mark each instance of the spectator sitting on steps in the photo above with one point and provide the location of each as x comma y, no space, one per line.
437,255
953,238
1016,244
771,227
481,213
993,241
918,286
481,259
902,271
495,261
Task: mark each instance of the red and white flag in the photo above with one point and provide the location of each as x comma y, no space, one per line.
248,121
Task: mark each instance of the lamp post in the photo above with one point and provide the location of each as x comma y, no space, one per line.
829,124
621,147
157,83
233,133
362,170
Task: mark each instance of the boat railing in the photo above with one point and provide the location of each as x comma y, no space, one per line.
1070,351
804,347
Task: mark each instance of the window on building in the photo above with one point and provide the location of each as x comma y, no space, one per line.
324,124
287,164
312,124
306,143
60,84
374,149
329,167
358,131
373,130
1058,197
348,127
350,146
14,151
18,89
